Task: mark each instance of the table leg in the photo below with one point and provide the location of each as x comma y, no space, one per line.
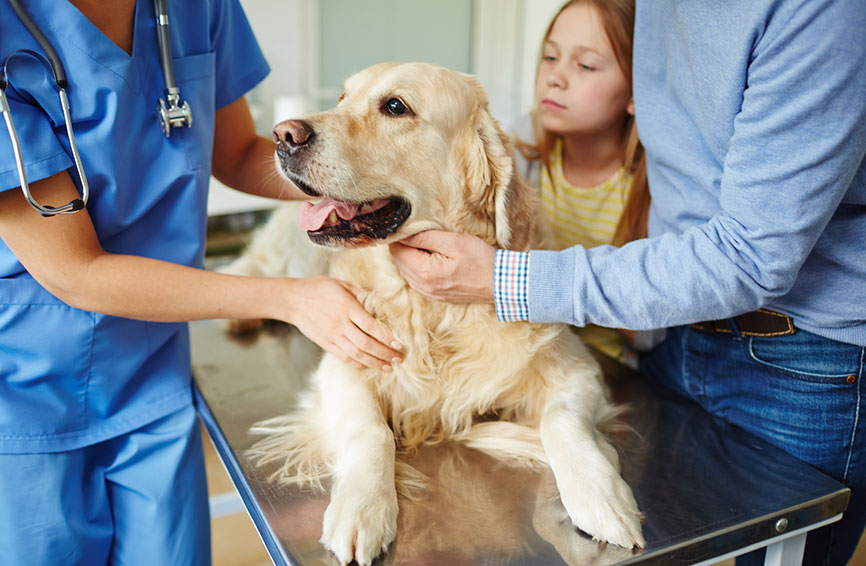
787,552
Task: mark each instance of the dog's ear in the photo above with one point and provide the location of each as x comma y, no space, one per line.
494,190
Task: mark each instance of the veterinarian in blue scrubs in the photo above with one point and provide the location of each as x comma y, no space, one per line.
753,117
100,453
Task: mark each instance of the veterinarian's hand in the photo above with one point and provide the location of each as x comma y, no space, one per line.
447,266
327,311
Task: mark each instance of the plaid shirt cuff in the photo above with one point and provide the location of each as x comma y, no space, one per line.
511,285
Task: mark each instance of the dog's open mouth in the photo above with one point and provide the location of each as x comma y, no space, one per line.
333,222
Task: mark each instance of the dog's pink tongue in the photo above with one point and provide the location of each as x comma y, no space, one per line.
313,216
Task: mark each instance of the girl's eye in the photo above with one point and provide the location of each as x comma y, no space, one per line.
549,58
586,67
395,107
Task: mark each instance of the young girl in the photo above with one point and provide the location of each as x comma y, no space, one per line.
585,156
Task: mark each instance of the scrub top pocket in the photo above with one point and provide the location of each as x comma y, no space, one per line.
195,77
34,377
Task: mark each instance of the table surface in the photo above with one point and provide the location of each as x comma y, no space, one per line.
706,487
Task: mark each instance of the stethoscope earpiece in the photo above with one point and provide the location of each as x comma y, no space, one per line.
52,62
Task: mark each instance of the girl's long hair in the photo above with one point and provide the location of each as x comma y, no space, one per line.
617,17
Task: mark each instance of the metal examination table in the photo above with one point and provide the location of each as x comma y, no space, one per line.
708,490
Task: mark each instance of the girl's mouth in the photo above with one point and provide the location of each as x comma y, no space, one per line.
551,104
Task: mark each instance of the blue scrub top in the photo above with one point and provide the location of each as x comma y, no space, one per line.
70,378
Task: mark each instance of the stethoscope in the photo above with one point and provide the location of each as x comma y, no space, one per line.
172,111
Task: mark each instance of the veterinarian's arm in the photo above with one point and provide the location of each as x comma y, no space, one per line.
64,255
244,160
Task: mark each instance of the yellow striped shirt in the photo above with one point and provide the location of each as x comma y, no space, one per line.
587,216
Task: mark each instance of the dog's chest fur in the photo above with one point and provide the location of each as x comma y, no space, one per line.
452,373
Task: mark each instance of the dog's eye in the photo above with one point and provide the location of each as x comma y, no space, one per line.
395,107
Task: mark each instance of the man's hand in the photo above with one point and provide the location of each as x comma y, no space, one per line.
446,266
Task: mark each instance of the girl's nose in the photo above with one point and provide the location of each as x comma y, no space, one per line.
556,78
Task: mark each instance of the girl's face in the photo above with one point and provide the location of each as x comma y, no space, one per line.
580,87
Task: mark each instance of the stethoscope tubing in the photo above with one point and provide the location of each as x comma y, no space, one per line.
53,60
76,204
47,48
164,45
175,113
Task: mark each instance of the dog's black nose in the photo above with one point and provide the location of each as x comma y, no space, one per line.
292,135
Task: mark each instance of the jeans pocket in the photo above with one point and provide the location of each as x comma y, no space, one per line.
807,356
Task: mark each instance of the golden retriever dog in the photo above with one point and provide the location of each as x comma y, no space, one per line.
410,147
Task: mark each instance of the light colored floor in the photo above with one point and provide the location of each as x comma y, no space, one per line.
235,542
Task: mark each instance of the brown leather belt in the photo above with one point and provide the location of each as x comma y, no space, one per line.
756,323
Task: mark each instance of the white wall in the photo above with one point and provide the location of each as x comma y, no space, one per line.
281,28
507,40
536,17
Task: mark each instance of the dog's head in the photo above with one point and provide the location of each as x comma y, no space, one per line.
409,147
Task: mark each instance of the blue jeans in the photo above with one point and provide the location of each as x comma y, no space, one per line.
802,393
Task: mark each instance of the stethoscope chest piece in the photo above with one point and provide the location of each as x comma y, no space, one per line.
172,112
173,115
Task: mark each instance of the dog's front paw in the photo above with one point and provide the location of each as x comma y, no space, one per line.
360,523
604,508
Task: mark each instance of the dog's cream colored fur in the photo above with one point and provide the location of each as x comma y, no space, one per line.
523,391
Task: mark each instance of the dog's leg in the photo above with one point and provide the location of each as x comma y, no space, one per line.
361,520
584,463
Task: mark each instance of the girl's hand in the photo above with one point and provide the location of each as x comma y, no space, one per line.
447,266
327,311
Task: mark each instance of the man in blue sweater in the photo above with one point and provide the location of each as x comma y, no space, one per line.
753,116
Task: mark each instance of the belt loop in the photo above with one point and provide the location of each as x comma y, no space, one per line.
733,326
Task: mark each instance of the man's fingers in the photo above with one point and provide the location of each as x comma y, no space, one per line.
431,241
406,254
415,240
